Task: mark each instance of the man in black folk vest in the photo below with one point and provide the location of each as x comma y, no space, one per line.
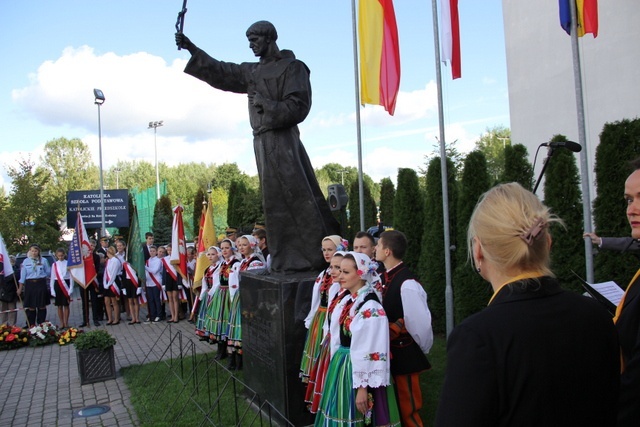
405,303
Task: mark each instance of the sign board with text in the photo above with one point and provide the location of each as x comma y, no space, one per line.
116,208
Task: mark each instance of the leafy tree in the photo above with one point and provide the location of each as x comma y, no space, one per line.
226,174
237,193
407,209
471,292
432,256
370,209
619,143
31,214
562,194
162,221
387,196
492,144
516,166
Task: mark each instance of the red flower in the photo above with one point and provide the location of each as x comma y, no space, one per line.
375,356
10,338
15,330
360,272
381,312
366,314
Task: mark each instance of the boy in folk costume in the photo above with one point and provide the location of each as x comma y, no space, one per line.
405,303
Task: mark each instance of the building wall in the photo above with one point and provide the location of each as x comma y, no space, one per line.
542,99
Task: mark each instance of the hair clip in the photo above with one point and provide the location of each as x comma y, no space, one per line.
533,232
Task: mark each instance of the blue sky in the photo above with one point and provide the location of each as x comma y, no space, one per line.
55,52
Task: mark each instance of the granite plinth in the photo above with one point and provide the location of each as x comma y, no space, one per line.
273,335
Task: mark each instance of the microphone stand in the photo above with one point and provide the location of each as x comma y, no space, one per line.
545,163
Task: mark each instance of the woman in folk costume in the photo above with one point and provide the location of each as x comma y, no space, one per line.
252,259
319,368
61,287
210,283
319,302
217,318
131,289
111,289
358,387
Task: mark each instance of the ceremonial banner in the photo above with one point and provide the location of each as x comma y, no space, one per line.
379,54
178,244
80,259
450,36
4,258
206,239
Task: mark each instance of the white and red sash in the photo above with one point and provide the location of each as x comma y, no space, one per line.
170,268
163,295
114,288
61,282
131,274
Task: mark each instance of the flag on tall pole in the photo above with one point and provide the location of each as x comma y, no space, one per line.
379,54
80,259
4,259
178,244
135,253
587,13
450,36
206,239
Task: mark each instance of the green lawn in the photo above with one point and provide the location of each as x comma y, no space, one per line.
160,399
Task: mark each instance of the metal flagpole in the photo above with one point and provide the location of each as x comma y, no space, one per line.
358,131
582,139
448,293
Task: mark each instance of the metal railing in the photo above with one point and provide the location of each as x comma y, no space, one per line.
203,391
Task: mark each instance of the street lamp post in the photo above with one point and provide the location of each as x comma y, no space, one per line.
99,100
155,126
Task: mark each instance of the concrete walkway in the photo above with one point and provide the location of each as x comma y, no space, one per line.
40,386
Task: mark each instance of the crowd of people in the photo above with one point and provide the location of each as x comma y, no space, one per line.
537,355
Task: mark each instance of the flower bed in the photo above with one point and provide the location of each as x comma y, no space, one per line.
13,337
43,334
69,336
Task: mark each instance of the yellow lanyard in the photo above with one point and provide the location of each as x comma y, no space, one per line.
624,296
523,276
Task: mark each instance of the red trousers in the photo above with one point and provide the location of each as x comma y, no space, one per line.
409,399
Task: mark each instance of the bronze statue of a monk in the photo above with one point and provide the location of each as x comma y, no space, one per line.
297,215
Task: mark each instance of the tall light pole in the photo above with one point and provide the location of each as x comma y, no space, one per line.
99,100
155,126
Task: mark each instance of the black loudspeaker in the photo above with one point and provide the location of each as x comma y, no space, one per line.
338,197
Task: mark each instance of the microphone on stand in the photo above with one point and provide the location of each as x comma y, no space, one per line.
570,145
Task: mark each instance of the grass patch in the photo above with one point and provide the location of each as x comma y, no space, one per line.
431,381
181,393
188,392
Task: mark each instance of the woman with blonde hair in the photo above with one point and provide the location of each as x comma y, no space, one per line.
538,355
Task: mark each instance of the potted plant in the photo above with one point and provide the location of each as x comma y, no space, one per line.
96,361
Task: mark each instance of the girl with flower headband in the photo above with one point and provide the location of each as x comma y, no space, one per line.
217,324
319,302
358,388
537,354
252,259
209,291
319,367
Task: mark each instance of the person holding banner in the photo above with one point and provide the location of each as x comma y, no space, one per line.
111,288
9,283
34,272
153,271
61,287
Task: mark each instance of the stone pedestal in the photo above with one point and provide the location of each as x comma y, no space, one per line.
273,335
